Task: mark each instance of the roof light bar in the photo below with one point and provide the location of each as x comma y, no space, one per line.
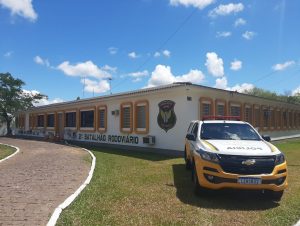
215,117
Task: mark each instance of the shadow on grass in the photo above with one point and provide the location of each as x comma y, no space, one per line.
228,199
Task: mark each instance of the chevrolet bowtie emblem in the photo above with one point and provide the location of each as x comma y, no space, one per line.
249,162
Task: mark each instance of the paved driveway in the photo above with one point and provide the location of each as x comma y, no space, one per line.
36,180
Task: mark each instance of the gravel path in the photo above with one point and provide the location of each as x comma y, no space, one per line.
36,180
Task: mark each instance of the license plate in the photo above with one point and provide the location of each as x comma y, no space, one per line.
249,180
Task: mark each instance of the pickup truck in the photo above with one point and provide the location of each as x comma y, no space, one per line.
232,154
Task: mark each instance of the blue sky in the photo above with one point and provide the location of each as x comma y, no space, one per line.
61,47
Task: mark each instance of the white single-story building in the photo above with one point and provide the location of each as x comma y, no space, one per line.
154,117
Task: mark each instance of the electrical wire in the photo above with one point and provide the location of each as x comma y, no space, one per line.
172,35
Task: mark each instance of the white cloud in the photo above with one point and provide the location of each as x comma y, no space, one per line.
41,61
8,54
137,76
296,91
109,68
200,4
283,66
43,101
236,65
88,69
214,64
23,8
112,50
221,83
38,60
248,35
46,102
93,86
241,88
223,34
133,55
166,53
156,54
30,92
224,10
162,75
239,22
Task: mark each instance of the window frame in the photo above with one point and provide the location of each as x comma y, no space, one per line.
224,103
285,126
298,119
272,111
54,123
256,122
37,121
263,127
290,119
294,119
206,100
102,107
123,105
278,118
248,105
65,119
22,121
136,105
236,103
87,129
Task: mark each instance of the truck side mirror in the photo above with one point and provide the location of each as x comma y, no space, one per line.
266,138
191,136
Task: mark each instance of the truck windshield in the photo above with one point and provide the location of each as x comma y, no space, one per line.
228,131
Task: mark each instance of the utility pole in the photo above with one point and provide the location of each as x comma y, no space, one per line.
83,87
110,85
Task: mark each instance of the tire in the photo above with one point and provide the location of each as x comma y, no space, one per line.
198,189
188,164
275,195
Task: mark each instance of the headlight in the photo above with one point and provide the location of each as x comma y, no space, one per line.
208,156
279,159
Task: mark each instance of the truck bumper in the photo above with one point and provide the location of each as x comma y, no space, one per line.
211,175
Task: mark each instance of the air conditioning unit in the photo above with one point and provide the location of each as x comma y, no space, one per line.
115,112
149,140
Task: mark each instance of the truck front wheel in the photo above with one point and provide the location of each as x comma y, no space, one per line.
198,189
188,164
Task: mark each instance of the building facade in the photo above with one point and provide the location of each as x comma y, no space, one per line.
155,117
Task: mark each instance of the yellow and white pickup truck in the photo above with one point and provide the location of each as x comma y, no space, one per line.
231,154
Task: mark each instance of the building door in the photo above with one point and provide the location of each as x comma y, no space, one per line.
60,126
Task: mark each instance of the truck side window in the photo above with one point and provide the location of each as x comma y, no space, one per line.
195,130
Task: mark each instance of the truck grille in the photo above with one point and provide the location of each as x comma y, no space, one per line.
233,164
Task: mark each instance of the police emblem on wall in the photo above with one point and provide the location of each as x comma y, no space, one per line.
166,118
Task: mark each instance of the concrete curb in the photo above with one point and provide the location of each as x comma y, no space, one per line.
297,224
17,150
72,197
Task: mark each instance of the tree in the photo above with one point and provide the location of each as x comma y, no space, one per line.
14,99
295,99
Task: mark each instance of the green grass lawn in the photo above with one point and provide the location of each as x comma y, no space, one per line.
134,188
5,151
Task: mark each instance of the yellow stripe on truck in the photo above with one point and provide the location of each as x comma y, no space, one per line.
212,147
271,146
